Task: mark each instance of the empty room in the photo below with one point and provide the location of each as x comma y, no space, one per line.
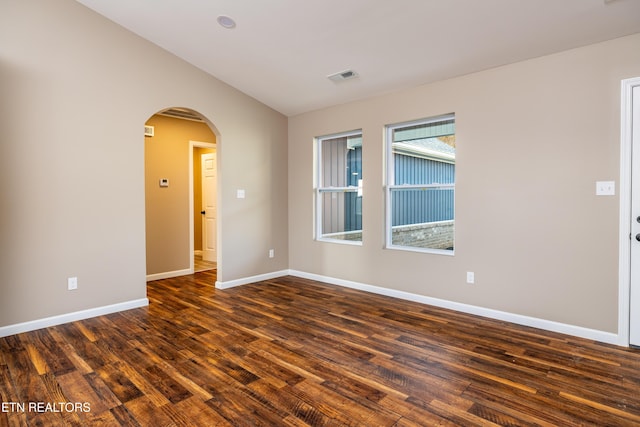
320,213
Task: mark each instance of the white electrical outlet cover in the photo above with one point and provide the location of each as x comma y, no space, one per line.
605,188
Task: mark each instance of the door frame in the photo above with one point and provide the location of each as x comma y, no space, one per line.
192,145
624,272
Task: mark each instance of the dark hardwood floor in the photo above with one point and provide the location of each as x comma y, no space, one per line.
296,352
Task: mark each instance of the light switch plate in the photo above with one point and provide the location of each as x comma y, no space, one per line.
240,194
605,188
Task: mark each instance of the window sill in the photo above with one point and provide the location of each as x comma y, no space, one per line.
444,252
340,241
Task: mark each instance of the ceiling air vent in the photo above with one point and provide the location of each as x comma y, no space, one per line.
181,113
343,75
148,130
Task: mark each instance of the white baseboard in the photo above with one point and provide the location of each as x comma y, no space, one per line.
548,325
71,317
578,331
252,279
169,274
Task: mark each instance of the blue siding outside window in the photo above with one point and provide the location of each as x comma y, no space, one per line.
414,206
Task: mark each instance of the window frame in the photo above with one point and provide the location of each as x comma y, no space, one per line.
320,190
390,185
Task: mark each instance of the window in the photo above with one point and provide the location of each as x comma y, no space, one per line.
339,188
421,162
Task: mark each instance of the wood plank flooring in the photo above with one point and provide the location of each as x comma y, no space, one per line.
294,352
201,265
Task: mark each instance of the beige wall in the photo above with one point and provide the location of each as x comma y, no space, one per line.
76,92
168,243
532,139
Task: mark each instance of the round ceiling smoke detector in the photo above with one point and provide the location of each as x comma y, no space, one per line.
226,22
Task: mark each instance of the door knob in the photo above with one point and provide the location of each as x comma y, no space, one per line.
203,212
638,237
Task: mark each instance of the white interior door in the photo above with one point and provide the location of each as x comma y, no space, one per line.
209,207
634,297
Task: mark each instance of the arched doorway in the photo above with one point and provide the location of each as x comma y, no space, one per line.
175,138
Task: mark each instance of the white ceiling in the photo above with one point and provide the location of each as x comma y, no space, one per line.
282,51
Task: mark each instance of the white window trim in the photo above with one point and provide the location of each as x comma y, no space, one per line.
320,190
390,174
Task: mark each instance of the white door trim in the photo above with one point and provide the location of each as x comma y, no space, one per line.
624,272
192,145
